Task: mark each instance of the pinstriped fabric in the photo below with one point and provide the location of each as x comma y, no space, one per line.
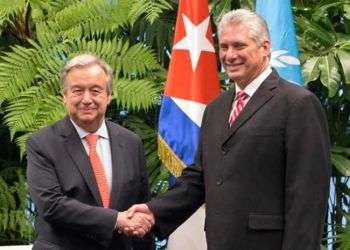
98,169
241,95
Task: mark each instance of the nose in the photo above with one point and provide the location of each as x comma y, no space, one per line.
87,98
231,53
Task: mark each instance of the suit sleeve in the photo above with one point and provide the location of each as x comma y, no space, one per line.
182,200
308,169
53,206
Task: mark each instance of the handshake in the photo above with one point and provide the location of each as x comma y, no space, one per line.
136,221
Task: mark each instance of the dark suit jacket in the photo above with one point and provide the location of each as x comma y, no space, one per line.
264,180
70,214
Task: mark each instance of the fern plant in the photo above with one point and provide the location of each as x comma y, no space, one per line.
29,83
16,219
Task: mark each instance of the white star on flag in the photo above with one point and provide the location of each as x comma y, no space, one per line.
195,40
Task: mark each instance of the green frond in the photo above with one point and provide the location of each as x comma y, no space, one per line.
92,17
21,112
20,189
21,141
15,222
11,6
135,94
74,33
108,50
47,34
45,10
75,19
76,14
119,14
57,5
49,63
138,60
51,110
7,200
50,80
28,119
9,9
150,8
17,72
134,61
158,35
4,218
32,109
115,16
24,67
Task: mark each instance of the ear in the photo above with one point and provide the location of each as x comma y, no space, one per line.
109,99
266,45
64,98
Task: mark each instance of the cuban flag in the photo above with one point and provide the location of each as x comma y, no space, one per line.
285,53
192,82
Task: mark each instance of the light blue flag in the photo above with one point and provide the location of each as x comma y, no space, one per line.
285,54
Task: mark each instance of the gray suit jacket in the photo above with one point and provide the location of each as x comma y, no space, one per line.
264,180
70,214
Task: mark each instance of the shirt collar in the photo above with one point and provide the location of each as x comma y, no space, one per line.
255,84
101,131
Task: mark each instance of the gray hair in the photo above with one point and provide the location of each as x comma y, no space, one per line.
255,24
84,61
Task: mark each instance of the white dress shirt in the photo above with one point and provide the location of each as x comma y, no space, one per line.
251,87
103,148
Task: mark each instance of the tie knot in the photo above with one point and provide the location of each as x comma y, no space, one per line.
91,140
241,95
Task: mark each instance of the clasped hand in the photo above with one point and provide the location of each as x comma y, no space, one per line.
136,221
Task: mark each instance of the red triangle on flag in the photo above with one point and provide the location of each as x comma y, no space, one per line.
192,71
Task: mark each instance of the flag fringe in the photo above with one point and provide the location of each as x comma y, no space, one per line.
169,158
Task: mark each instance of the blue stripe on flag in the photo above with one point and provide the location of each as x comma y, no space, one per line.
178,131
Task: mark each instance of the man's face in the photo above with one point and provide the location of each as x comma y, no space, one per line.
86,97
241,56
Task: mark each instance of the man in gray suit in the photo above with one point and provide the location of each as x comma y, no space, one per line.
83,170
263,160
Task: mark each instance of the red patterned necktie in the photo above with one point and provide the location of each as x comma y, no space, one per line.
241,95
98,169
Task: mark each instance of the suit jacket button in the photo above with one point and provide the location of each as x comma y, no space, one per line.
219,182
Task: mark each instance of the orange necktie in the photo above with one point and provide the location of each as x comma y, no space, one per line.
97,166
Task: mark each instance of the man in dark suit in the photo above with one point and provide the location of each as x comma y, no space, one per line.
263,160
83,170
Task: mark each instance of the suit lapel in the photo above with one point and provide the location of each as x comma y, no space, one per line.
117,163
262,95
76,150
227,106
